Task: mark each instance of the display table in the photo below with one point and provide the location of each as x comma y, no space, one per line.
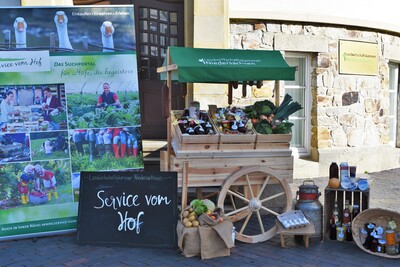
305,231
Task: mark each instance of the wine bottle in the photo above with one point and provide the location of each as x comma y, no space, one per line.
333,170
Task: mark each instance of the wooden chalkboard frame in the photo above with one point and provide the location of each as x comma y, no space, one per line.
128,208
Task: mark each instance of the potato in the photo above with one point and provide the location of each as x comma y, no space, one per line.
185,214
192,218
188,224
191,209
192,214
195,223
185,220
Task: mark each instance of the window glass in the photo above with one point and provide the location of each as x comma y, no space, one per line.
154,51
153,13
144,50
393,91
173,41
163,15
153,26
300,91
173,29
163,28
143,25
163,52
144,37
153,38
143,13
173,17
163,40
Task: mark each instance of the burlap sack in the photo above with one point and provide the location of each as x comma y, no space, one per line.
188,240
216,240
204,219
205,241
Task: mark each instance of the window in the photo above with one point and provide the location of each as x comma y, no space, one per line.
300,90
158,29
393,89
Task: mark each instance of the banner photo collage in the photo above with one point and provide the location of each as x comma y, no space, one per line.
69,103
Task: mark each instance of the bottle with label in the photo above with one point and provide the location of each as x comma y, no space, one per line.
190,131
356,211
332,229
346,213
333,170
340,234
336,214
349,235
199,130
208,128
374,242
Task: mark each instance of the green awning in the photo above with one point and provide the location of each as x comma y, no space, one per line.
223,65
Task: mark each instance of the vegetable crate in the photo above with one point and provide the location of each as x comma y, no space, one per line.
355,197
237,141
272,141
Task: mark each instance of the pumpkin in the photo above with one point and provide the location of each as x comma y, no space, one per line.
334,183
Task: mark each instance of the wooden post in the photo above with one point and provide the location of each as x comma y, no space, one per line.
277,93
169,88
185,181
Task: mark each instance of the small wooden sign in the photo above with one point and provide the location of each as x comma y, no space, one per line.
128,209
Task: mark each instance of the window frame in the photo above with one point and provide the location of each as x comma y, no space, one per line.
306,150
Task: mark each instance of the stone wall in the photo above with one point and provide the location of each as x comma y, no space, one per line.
349,114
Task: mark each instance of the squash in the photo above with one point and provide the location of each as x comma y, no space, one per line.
334,183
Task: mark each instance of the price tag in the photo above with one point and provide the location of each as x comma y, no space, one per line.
392,225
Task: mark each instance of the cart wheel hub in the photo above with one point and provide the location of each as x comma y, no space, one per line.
255,204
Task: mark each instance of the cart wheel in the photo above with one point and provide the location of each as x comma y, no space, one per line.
252,198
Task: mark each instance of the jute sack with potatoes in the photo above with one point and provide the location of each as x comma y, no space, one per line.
207,241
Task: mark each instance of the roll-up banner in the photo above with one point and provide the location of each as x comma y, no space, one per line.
69,103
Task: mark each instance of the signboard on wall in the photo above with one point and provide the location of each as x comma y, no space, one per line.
69,103
128,209
358,58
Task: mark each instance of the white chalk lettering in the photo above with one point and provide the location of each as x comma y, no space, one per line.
157,200
129,223
117,201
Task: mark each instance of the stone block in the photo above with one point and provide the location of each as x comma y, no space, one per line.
286,42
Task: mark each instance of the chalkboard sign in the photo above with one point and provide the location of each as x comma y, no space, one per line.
128,208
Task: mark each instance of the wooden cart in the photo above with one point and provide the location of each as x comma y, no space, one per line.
252,172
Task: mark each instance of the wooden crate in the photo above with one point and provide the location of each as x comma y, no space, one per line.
272,141
192,142
355,197
237,140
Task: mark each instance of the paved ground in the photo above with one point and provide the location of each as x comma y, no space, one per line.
63,250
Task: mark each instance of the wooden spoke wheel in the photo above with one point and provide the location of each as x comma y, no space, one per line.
252,198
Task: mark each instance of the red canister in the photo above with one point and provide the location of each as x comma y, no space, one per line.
308,191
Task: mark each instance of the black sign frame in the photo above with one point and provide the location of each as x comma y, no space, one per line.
128,208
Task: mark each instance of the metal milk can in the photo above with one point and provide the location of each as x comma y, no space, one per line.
307,201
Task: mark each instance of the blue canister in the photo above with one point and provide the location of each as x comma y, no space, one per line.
344,171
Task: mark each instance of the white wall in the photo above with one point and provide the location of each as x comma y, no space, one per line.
382,14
